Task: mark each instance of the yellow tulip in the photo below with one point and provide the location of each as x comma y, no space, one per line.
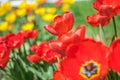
68,1
30,18
10,17
21,12
51,10
65,7
40,1
3,26
48,17
23,5
40,11
2,11
28,26
7,6
32,6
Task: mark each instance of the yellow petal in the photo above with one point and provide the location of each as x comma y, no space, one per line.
7,6
11,17
28,26
50,10
21,12
23,5
2,11
68,1
40,11
48,17
40,1
3,26
65,7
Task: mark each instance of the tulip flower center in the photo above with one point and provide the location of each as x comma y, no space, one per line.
89,70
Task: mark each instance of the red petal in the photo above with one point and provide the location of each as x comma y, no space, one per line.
58,3
34,58
60,27
62,24
50,28
71,50
33,34
68,19
51,56
4,55
97,20
59,76
58,18
115,55
80,32
56,46
34,48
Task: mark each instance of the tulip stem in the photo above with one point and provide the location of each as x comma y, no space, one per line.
29,42
54,67
25,53
20,69
101,33
115,28
35,41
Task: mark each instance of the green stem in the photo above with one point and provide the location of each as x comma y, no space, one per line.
54,67
35,40
7,74
29,42
20,52
40,68
115,27
16,61
25,53
21,71
102,35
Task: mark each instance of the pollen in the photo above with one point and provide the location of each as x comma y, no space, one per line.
89,70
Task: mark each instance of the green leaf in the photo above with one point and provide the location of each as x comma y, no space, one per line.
118,76
36,72
102,36
49,73
7,74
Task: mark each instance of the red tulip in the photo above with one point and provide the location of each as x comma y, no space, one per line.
58,3
43,52
57,46
4,55
28,34
98,20
14,41
1,39
106,10
76,36
34,48
62,24
64,40
49,55
34,58
111,7
86,61
115,55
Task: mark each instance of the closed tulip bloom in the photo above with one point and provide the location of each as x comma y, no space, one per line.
62,24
